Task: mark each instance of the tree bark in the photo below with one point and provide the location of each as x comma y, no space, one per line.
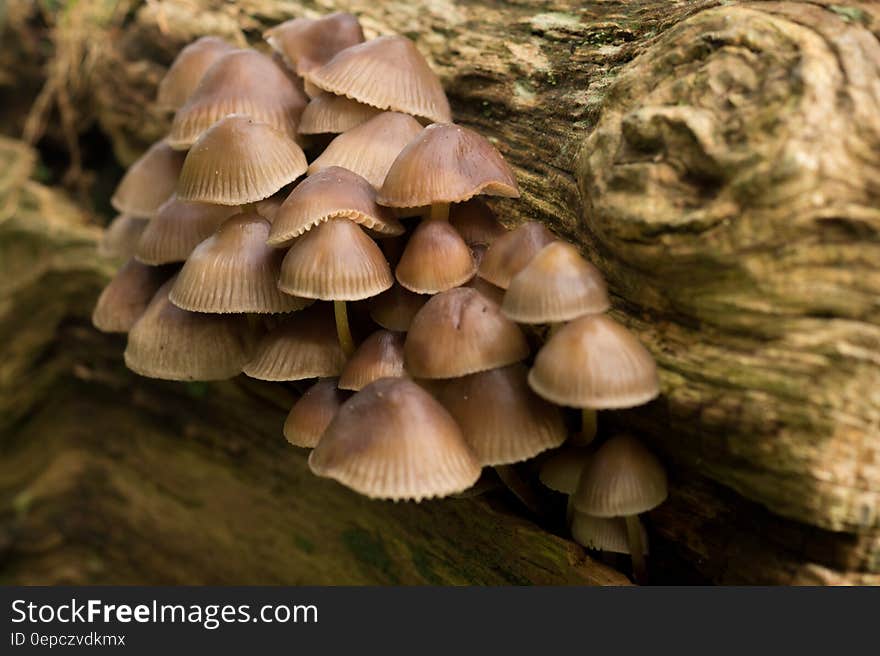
720,162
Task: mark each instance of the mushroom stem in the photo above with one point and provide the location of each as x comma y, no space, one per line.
636,548
342,328
588,425
518,487
439,212
569,512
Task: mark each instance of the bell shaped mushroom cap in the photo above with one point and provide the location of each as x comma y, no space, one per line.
309,43
302,345
331,193
435,259
622,478
310,416
561,471
510,253
502,420
238,161
188,68
395,308
268,207
595,362
329,114
461,332
173,344
125,298
388,73
336,261
120,238
446,163
370,148
604,533
476,223
392,440
557,285
380,356
240,82
234,271
148,182
178,228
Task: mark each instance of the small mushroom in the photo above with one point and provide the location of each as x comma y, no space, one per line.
173,344
605,533
370,148
308,43
380,356
595,362
178,228
623,479
392,440
435,259
187,69
557,285
510,253
389,73
121,237
443,164
460,332
335,261
238,161
487,289
149,182
241,82
561,472
235,271
312,413
395,308
331,193
300,346
126,297
329,114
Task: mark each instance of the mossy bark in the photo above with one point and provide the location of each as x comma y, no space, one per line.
720,162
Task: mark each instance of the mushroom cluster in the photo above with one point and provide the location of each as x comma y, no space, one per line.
314,213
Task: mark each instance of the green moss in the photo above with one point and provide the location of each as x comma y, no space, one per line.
369,551
422,562
850,14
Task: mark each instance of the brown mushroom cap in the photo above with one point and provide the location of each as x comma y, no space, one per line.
178,228
475,222
595,362
331,193
510,253
302,345
435,259
188,68
604,533
238,161
622,478
557,285
561,471
460,332
329,114
502,420
446,163
380,356
335,261
392,440
120,238
240,82
312,413
395,308
125,298
149,182
370,148
234,271
309,43
268,207
389,73
173,344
